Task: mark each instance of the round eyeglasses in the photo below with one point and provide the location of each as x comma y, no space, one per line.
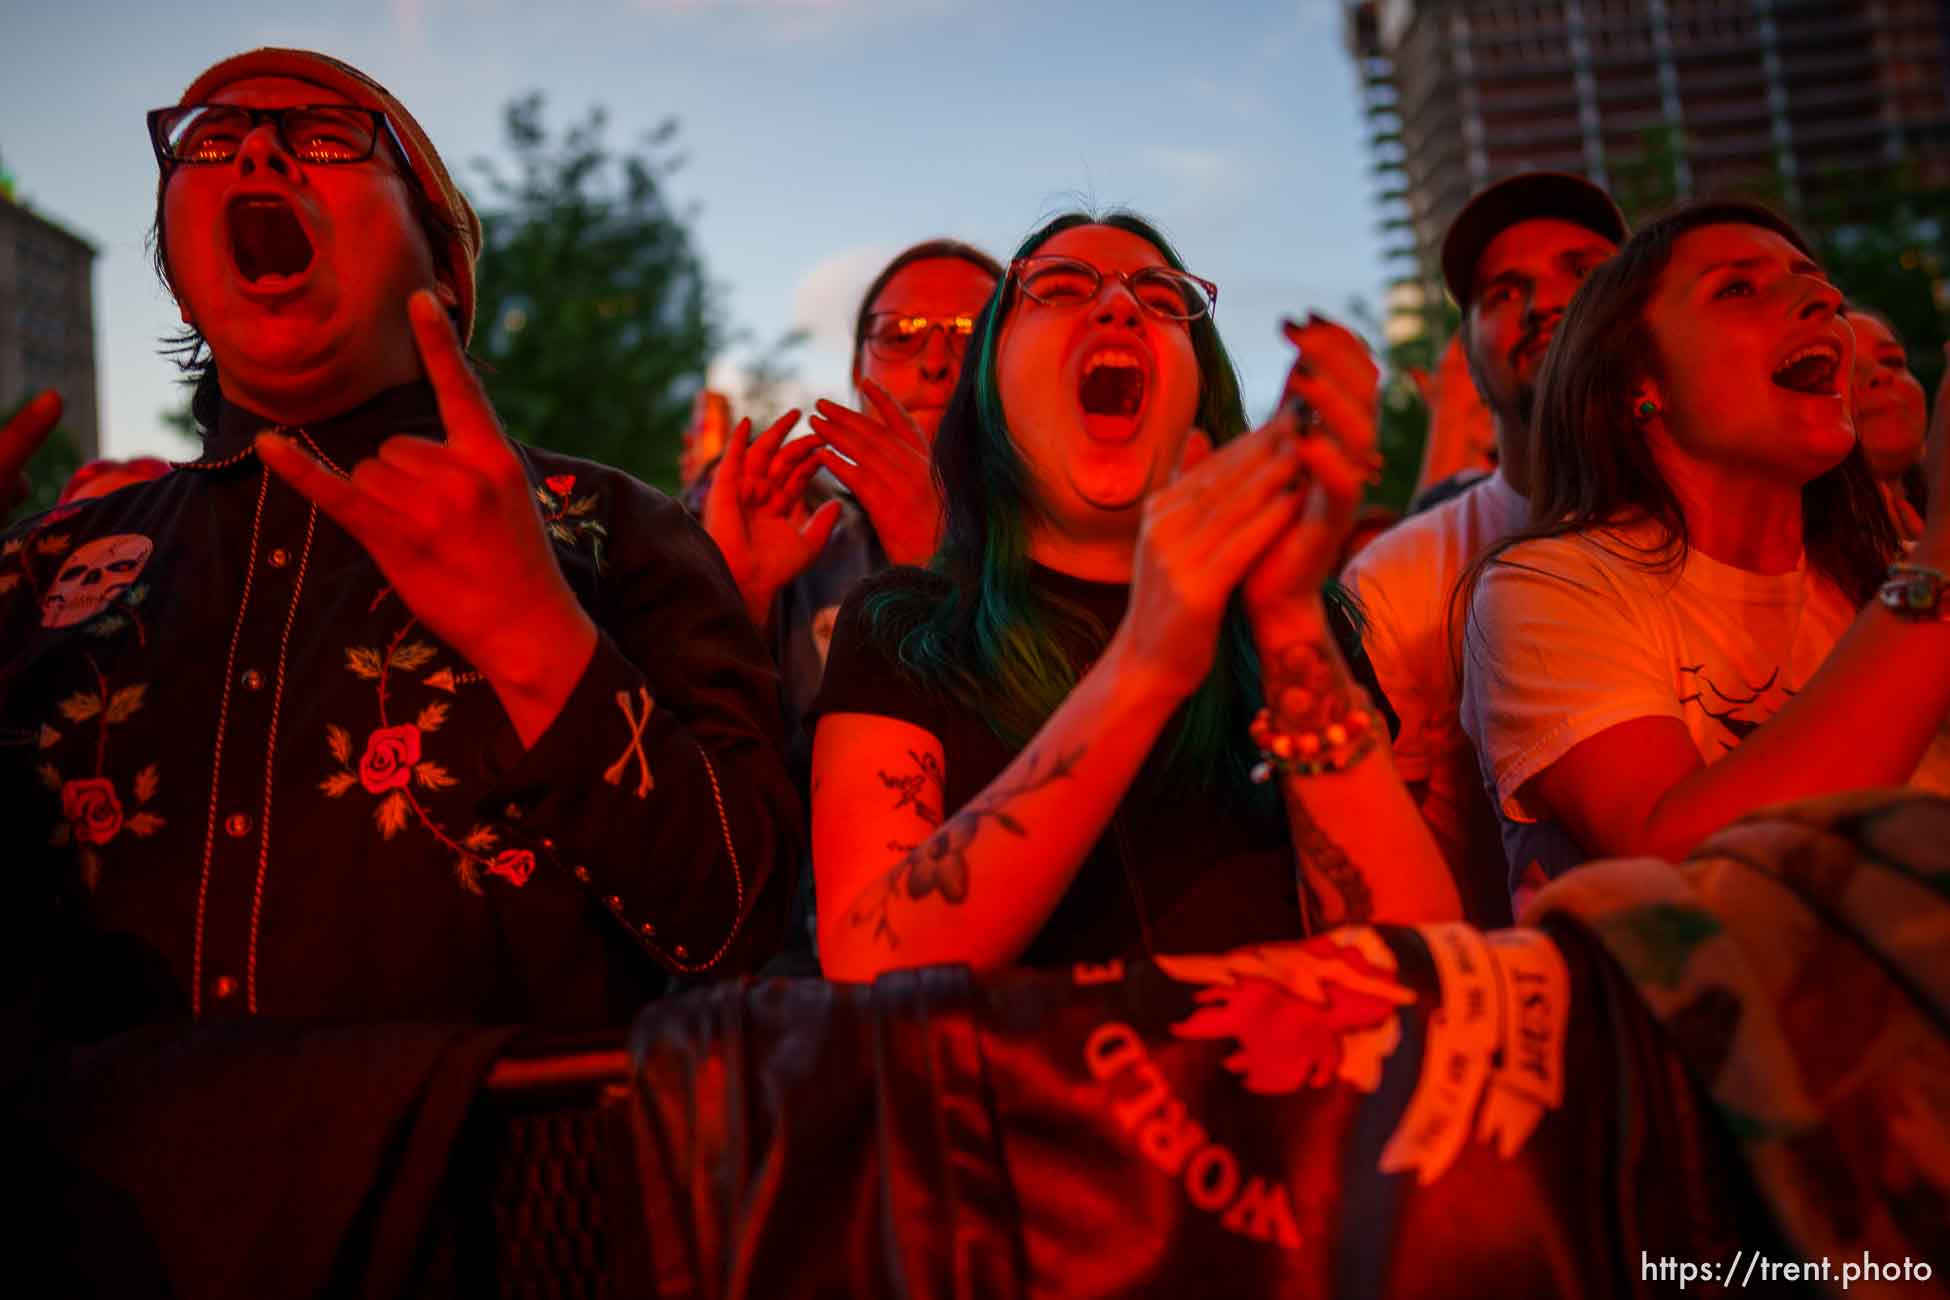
315,134
896,336
1164,291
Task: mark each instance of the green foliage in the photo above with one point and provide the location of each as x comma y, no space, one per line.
1879,232
594,317
1884,245
178,420
1649,183
763,397
1402,426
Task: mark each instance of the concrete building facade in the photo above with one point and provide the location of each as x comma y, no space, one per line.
1793,98
47,320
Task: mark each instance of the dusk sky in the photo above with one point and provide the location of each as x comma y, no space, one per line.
822,136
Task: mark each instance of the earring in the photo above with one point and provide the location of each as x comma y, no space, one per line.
1647,409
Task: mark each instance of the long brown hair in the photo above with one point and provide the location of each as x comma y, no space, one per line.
1591,466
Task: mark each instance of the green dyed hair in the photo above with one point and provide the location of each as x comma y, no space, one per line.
985,637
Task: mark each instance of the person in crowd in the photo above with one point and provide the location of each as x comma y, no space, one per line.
1891,417
1512,258
1460,449
796,559
1044,749
1705,615
100,477
369,711
1370,522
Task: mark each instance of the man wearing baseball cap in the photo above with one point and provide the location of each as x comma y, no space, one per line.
1512,258
369,711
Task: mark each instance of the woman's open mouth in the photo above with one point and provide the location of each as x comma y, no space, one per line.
1111,393
1814,370
267,241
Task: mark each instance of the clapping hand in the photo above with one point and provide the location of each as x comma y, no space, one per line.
1329,404
884,459
757,514
1199,537
455,530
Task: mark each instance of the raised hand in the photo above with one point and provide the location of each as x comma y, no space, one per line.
885,461
1462,433
1330,407
454,528
20,438
756,511
1200,535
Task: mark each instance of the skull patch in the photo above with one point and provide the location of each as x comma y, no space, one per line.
91,579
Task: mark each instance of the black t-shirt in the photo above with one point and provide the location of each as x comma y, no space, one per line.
1206,876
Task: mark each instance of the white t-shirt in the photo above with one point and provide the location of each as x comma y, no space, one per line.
1571,636
1404,581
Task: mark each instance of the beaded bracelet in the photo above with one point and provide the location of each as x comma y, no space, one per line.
1334,748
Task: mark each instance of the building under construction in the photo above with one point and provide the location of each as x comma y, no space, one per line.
1791,99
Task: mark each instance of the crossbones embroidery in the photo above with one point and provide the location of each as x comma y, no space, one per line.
614,775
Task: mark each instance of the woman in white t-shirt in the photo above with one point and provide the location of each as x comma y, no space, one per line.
1691,630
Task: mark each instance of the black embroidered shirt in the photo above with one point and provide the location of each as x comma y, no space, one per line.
249,780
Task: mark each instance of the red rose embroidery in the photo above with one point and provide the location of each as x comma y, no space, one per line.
560,484
90,804
388,761
513,866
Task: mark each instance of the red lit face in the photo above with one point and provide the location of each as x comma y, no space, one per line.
1891,415
1754,361
1092,468
1524,281
939,288
297,275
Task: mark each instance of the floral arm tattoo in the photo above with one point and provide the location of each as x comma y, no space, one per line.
1308,689
939,864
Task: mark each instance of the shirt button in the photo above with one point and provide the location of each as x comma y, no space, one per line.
252,680
223,988
512,812
279,558
237,825
680,952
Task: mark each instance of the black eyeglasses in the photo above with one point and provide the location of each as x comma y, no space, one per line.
1056,281
896,336
314,134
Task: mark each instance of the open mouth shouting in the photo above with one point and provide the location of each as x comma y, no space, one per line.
268,244
1813,369
1111,392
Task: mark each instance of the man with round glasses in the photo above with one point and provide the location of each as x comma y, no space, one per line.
369,711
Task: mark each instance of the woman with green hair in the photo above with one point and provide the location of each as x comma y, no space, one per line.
1051,747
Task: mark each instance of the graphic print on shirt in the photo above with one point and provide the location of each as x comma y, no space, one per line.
392,765
95,576
1725,707
1326,1011
94,587
567,518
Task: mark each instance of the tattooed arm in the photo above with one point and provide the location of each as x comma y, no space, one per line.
901,885
1362,850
